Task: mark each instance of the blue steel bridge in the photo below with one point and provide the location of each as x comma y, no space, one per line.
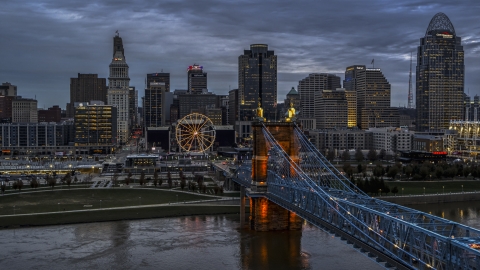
301,180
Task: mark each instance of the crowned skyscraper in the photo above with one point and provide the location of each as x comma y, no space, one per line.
257,82
440,76
118,88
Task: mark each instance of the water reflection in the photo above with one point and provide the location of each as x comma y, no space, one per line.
197,242
272,250
467,213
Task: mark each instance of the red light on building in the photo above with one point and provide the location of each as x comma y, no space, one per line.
440,153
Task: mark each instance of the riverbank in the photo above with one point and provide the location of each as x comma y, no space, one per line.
433,198
114,214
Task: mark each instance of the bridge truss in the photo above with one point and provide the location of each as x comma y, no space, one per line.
315,190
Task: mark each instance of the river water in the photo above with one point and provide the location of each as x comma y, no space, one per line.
197,242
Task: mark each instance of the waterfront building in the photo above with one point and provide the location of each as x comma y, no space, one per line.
440,76
257,82
197,79
391,139
340,139
84,88
118,89
36,138
95,128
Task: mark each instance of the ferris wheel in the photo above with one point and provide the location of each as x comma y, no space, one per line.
195,133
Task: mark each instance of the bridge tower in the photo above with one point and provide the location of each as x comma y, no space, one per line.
264,214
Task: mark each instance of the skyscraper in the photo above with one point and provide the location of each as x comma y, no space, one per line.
373,94
154,105
197,79
440,76
257,82
307,87
85,88
118,88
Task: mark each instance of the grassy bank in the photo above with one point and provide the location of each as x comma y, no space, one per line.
433,187
81,199
114,214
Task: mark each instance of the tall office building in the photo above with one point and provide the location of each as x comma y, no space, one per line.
314,83
24,110
232,106
7,89
154,105
331,109
132,106
95,128
84,88
197,79
118,89
159,77
372,91
440,76
257,82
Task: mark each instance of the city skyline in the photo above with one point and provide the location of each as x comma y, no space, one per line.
47,44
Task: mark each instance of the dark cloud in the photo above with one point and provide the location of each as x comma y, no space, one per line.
44,43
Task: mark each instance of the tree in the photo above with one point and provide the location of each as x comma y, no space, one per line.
193,186
359,168
34,183
372,155
347,168
15,185
142,178
378,171
52,181
69,181
182,182
3,187
382,154
160,181
359,155
114,179
169,180
75,180
345,155
395,190
155,178
330,155
392,172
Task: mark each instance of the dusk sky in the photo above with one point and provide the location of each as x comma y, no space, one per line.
45,43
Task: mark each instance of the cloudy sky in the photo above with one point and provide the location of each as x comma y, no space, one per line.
44,43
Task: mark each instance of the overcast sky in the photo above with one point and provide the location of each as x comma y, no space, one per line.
45,43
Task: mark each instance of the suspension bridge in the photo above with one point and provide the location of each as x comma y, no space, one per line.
289,180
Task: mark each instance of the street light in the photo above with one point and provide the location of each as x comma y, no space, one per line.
380,192
140,200
402,191
100,203
462,188
14,210
58,207
443,189
177,198
423,191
